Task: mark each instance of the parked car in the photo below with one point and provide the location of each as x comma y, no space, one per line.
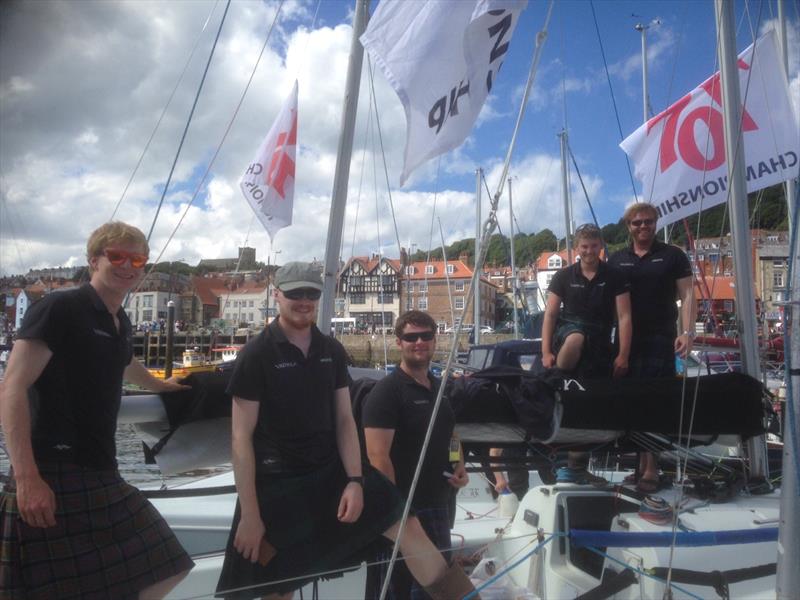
486,329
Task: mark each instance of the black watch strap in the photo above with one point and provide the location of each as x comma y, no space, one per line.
359,479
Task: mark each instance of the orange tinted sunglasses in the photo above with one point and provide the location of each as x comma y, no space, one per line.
118,258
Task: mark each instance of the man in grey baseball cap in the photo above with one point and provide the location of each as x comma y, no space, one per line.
297,275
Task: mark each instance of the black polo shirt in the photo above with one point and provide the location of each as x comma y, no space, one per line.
75,401
592,301
398,402
296,429
653,290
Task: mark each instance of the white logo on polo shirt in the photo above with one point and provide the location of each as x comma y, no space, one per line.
625,264
285,365
326,360
657,260
101,332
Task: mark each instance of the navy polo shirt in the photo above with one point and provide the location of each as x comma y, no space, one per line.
296,429
589,300
653,286
398,402
75,401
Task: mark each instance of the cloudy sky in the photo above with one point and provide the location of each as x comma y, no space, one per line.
83,84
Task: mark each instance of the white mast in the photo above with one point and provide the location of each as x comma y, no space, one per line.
513,266
737,207
340,180
783,42
565,196
476,302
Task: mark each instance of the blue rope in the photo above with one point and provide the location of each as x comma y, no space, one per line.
502,572
643,573
188,121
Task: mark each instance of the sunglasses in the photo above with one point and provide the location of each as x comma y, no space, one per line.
302,293
118,258
425,336
640,222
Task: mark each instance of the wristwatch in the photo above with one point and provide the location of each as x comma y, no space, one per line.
691,334
359,479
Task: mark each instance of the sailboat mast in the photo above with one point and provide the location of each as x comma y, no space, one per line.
342,174
513,265
565,196
737,208
476,302
783,42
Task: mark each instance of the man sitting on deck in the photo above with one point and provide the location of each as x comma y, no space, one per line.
577,340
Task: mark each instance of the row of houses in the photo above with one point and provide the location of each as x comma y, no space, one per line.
373,291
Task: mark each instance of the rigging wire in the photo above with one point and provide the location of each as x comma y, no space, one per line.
613,99
188,120
213,160
164,111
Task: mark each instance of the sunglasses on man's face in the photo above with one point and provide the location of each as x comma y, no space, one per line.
302,293
425,336
118,258
640,222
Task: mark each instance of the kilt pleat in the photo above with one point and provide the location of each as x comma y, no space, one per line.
108,541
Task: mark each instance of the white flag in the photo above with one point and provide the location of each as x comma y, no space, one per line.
268,183
441,57
679,155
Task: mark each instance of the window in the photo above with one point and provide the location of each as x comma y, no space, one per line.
423,286
547,278
410,304
358,299
252,304
713,257
777,279
429,269
728,306
778,264
409,270
250,317
459,286
423,303
450,269
700,257
147,315
554,262
459,303
147,301
385,298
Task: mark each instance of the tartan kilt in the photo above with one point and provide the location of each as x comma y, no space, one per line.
299,514
108,541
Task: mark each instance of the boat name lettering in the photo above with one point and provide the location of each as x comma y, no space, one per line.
285,365
101,332
447,106
568,384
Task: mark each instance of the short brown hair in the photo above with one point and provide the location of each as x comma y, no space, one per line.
414,317
639,207
588,231
114,232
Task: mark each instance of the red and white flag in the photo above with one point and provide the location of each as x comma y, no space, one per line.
441,57
268,183
679,155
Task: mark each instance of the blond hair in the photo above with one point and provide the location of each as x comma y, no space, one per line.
639,207
114,232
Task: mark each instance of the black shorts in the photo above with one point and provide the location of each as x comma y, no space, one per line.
108,541
299,514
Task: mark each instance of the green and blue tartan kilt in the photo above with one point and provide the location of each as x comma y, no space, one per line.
108,541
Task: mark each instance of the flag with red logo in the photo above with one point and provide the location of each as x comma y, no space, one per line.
441,57
679,155
268,183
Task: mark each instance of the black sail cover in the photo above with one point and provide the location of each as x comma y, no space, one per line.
721,404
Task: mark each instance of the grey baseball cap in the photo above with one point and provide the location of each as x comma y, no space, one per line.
296,275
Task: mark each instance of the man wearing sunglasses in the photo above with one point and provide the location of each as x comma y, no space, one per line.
659,275
306,502
395,418
66,505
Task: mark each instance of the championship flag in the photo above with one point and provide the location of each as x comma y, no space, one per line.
679,155
268,183
441,57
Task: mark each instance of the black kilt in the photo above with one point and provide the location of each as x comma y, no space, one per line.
299,514
108,541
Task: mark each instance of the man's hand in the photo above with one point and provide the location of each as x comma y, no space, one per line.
548,360
36,502
620,367
683,343
173,385
248,538
500,482
460,477
351,504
